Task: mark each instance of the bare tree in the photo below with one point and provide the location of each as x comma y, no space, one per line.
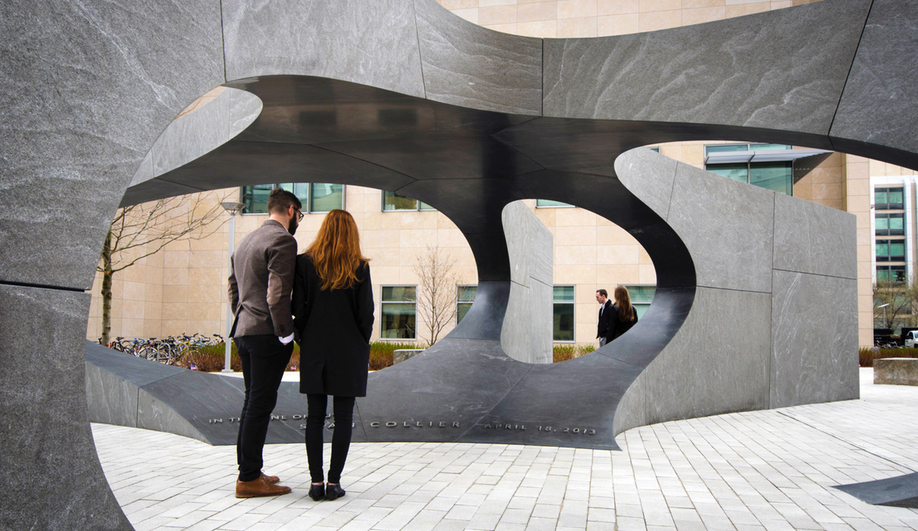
894,301
140,231
436,297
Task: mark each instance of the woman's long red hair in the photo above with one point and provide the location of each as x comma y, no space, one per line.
623,301
336,251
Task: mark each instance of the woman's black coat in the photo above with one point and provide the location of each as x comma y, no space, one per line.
333,329
618,327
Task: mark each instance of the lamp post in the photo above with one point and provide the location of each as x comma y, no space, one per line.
884,313
232,207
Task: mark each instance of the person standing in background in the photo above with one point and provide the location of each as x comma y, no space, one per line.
333,307
605,311
624,315
260,285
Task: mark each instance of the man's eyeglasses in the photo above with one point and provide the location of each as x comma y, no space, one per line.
299,214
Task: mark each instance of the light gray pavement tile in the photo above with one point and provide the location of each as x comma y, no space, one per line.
631,524
541,524
484,521
516,516
600,526
425,520
461,512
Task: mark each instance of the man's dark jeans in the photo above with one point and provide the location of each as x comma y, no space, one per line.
264,359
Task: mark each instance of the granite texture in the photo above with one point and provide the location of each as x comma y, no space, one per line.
75,89
717,363
46,436
810,238
782,69
465,64
815,361
895,371
878,103
373,42
731,236
526,332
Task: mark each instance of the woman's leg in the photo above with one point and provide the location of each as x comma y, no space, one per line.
341,439
315,422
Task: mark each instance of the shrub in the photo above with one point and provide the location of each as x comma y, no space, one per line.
382,353
213,358
568,352
867,355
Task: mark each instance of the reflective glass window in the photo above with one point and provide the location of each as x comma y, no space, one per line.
399,312
563,313
465,296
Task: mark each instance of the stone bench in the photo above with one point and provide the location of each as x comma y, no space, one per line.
401,355
896,371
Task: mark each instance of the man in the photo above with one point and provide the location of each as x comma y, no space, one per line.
605,316
260,284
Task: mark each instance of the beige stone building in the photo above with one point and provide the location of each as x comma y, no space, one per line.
182,288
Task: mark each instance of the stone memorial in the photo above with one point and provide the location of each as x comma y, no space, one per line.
467,120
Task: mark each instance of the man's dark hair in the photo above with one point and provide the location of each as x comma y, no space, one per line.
281,199
603,292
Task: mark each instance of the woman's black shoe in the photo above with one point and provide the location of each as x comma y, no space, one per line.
317,492
333,492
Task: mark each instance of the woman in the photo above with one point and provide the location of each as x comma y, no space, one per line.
333,311
624,316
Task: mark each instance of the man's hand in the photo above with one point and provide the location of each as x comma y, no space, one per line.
285,340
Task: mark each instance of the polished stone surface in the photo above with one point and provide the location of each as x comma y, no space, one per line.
88,87
813,239
526,334
735,216
370,42
816,361
877,105
724,74
52,475
465,64
85,93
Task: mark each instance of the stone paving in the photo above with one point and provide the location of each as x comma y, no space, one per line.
771,470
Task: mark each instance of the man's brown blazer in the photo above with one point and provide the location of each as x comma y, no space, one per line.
261,280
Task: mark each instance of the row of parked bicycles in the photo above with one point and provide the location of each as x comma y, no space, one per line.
165,350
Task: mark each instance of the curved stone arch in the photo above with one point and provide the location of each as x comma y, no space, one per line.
90,88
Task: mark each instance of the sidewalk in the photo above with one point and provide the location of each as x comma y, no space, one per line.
759,470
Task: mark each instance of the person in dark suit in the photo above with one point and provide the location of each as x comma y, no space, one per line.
623,315
333,308
260,284
605,313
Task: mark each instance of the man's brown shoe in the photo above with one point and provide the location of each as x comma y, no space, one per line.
258,488
270,479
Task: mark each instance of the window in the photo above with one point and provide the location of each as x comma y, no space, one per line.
395,201
894,274
890,224
316,197
563,313
465,296
398,312
890,250
641,296
888,198
548,203
745,163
